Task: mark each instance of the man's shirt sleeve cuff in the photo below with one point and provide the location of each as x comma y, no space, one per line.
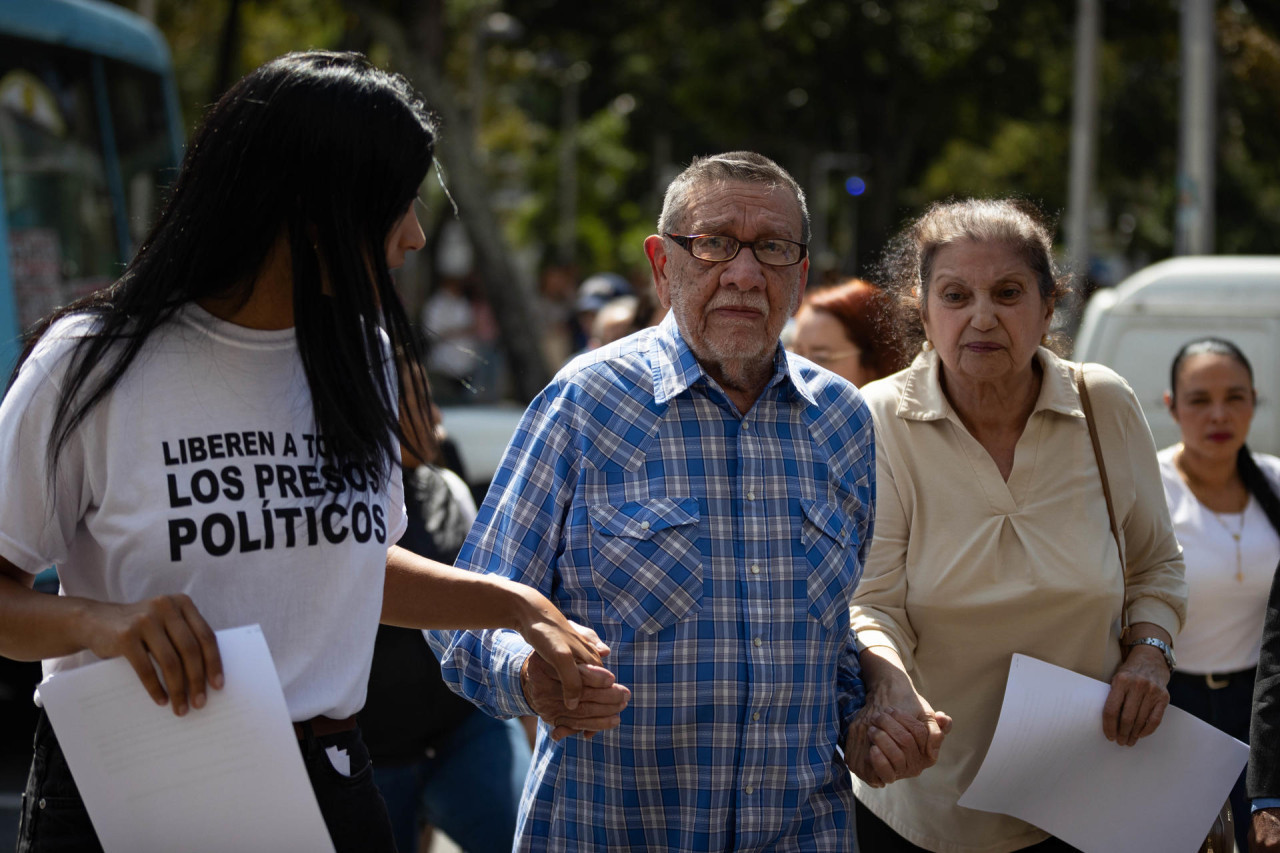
508,656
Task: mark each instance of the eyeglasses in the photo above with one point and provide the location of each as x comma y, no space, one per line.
718,248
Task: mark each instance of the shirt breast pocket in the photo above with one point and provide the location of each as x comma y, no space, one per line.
830,546
646,560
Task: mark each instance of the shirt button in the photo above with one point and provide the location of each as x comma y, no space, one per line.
644,525
757,642
755,716
749,789
751,496
755,568
746,424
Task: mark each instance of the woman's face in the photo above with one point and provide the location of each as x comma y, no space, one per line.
822,339
984,313
1213,405
406,236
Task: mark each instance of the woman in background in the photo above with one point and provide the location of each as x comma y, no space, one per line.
1226,514
848,329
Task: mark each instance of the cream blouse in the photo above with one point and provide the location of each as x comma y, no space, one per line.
966,569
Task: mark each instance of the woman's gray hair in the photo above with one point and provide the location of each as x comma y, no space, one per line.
1015,223
743,166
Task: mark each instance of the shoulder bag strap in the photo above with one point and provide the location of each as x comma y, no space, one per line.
1083,388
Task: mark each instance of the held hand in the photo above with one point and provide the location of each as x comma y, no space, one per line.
894,737
561,643
168,630
1264,831
601,702
1135,706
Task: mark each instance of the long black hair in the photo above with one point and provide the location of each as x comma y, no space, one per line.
323,150
1249,472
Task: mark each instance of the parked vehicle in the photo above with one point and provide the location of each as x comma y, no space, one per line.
1137,327
90,133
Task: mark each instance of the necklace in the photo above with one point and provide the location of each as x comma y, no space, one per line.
1235,535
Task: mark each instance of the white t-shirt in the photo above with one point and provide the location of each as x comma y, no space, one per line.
201,473
1223,631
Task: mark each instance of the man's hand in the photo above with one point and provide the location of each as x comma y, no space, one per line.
1264,831
168,630
602,698
1135,706
559,642
894,739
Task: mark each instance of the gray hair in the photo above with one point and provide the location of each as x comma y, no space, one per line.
743,166
908,263
1011,222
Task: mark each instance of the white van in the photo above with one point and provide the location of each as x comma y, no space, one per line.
1138,326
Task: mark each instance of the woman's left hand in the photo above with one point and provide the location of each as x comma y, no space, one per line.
1138,697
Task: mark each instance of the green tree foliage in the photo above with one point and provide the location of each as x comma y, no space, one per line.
939,97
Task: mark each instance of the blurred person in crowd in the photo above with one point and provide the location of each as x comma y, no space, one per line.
704,501
557,288
594,294
242,367
992,532
453,343
1226,514
617,319
848,329
436,757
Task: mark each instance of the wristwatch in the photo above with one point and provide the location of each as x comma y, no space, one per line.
1164,647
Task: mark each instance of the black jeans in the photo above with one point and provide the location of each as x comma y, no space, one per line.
54,818
1227,709
876,836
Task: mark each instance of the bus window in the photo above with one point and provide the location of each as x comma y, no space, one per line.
62,238
143,143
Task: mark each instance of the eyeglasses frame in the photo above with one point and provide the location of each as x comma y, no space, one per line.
685,241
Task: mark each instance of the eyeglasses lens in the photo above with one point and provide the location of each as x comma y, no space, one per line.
777,253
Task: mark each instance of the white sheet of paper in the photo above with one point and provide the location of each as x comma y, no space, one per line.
1050,765
227,776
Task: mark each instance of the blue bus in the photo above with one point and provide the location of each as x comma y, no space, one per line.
90,133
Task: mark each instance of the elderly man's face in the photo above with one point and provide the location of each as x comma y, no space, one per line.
731,312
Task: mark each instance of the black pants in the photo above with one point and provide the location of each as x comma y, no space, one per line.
54,818
876,836
1227,709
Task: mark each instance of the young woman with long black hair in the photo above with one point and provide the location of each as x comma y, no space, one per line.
1226,514
214,439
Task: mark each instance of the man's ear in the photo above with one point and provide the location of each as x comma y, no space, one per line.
804,282
656,250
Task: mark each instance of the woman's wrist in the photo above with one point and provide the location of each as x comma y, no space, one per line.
526,606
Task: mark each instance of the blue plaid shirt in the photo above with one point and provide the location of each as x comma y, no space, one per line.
716,554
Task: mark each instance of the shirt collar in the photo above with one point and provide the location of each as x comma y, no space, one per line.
676,369
922,398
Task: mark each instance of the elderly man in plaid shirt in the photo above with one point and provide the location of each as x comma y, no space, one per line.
704,501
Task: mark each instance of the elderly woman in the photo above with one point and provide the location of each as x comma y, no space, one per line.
992,533
848,330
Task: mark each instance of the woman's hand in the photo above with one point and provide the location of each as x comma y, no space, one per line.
1135,706
897,734
559,642
166,632
601,702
